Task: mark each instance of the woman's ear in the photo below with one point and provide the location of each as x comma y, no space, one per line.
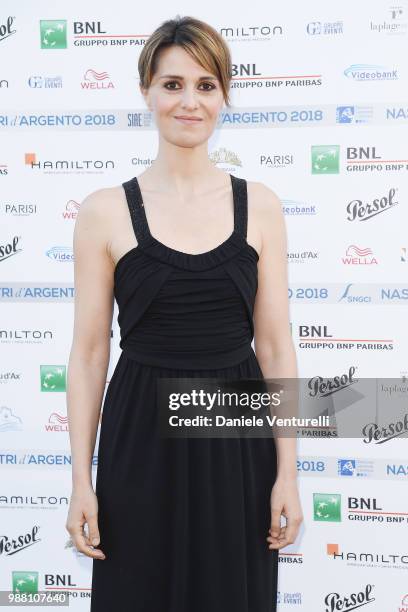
145,94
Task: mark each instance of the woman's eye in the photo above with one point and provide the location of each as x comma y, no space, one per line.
170,83
211,86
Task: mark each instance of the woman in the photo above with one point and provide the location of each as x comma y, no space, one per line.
193,524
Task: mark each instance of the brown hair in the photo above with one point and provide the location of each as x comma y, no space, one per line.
201,41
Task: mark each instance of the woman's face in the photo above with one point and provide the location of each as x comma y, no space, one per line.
181,88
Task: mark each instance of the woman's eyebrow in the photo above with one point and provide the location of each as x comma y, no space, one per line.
175,76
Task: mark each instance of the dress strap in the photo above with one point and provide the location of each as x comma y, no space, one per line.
138,214
136,209
240,195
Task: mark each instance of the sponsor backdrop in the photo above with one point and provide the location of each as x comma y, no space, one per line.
320,115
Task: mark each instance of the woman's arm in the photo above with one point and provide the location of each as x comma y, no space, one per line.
275,350
272,338
89,356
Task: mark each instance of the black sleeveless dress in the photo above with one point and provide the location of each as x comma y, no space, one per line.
183,522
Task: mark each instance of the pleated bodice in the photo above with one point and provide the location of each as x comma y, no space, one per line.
186,310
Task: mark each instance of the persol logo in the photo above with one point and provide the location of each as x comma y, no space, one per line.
379,435
334,601
5,29
10,546
9,248
356,209
321,387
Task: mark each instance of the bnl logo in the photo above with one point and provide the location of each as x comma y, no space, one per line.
314,331
88,27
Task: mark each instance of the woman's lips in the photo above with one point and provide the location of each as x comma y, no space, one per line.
188,121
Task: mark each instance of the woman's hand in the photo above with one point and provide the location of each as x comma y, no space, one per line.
284,500
83,509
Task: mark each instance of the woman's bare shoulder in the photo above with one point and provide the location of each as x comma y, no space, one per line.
99,203
102,214
263,198
265,215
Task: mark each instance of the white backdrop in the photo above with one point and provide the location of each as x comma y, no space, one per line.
320,115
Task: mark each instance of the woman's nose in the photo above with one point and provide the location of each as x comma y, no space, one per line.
189,98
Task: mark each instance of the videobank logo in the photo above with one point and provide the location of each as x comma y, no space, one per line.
371,72
61,254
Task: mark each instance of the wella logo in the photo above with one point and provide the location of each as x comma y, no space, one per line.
356,256
96,80
71,210
57,422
